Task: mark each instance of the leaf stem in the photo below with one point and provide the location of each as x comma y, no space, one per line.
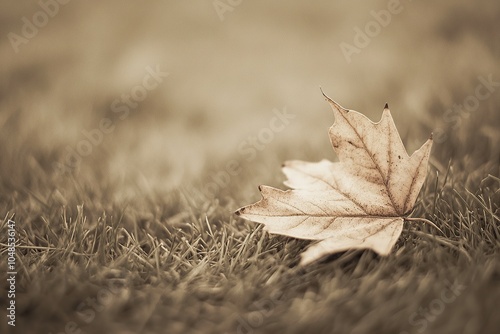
428,222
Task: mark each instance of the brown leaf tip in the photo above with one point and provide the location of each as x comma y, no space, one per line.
337,106
323,93
430,137
260,188
239,211
386,106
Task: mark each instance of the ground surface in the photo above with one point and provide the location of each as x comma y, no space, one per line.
136,233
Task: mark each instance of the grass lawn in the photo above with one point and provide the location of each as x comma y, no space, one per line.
181,263
139,235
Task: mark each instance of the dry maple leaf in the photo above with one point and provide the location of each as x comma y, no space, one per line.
359,202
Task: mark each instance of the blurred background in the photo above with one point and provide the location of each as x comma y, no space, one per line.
161,95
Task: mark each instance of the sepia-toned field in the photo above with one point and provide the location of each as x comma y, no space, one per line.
130,133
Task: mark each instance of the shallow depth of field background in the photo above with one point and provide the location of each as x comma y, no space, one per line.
225,79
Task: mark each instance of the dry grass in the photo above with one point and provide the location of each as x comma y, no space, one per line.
182,264
129,241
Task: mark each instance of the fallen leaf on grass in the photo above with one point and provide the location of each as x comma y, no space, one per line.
357,203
